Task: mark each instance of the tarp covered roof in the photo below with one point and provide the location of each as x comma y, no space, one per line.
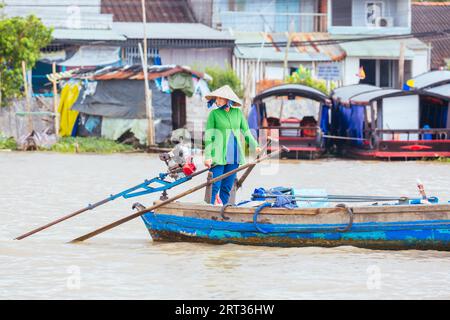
293,89
432,78
249,46
344,93
93,56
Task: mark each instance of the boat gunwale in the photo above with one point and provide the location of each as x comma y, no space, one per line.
382,209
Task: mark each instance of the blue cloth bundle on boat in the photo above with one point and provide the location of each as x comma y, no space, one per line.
283,197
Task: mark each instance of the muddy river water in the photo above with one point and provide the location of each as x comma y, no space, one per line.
124,263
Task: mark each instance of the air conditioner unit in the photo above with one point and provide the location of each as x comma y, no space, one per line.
384,22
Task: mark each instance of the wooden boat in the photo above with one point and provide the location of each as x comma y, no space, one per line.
422,226
299,130
391,123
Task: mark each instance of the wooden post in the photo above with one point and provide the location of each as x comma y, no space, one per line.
148,93
401,65
0,89
55,99
27,96
285,66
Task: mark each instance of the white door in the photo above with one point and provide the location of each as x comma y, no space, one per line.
401,113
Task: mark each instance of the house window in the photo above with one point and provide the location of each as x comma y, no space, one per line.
381,73
374,10
341,13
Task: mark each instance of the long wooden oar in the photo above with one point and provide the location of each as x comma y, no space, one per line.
162,203
89,207
247,172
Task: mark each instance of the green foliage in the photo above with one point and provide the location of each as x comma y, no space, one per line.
89,144
222,77
303,76
21,40
7,143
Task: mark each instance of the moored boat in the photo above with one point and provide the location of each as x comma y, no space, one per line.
393,226
295,115
376,123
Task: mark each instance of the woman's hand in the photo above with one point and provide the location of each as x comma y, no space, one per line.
258,150
208,163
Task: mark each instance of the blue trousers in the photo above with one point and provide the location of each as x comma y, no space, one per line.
223,186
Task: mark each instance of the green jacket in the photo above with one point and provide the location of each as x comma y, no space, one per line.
219,126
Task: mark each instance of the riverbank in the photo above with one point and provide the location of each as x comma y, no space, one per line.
76,145
105,146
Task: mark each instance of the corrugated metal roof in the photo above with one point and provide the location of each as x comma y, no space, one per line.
386,48
433,16
87,34
156,10
133,72
193,31
296,53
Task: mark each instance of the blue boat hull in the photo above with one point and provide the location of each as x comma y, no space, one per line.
398,235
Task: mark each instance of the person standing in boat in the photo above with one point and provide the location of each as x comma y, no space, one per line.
223,145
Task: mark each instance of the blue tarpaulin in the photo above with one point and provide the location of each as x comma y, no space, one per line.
356,124
325,119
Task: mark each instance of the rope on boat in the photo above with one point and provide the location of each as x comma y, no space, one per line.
255,216
351,216
222,211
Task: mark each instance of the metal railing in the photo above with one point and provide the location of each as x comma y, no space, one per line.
273,21
412,134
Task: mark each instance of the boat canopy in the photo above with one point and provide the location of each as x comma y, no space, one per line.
366,98
292,90
443,90
343,94
431,79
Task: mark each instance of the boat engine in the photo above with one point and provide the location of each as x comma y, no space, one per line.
179,161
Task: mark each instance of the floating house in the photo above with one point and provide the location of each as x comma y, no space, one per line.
110,102
374,123
295,115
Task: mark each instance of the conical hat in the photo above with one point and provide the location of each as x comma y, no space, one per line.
227,93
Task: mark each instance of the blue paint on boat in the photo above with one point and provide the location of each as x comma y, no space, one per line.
429,234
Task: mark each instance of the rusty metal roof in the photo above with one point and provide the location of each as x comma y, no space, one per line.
156,10
133,72
247,47
433,16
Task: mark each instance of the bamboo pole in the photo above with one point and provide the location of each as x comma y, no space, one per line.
148,102
93,206
55,99
285,66
148,93
178,196
27,96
